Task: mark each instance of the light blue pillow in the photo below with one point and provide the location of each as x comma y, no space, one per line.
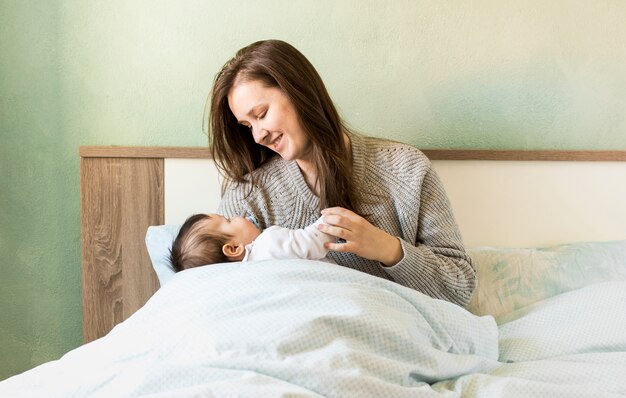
159,239
512,278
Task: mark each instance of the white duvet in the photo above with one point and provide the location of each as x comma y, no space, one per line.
311,329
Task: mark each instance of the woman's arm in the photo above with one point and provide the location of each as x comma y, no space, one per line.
435,263
361,237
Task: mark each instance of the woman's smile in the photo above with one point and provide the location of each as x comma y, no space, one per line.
276,143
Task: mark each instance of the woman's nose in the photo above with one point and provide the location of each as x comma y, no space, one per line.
259,134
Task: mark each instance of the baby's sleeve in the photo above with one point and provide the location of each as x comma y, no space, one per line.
282,243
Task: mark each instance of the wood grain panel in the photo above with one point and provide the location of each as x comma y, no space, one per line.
172,152
479,154
120,198
433,154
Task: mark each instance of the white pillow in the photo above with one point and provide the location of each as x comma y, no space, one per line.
512,278
159,239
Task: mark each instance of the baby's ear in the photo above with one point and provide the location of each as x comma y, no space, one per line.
233,251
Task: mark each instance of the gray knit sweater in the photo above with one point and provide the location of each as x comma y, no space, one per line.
404,197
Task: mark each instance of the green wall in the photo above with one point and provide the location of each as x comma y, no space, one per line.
500,74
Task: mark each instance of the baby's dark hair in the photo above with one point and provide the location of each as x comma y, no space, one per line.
195,246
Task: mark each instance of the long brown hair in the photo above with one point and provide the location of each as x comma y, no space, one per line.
278,64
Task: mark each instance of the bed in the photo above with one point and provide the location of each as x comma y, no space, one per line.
546,231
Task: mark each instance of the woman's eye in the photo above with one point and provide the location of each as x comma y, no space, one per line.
261,116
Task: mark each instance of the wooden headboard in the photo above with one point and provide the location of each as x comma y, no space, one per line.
500,198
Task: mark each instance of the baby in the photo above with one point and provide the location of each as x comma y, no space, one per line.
211,238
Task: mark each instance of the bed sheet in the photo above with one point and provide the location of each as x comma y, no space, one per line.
571,345
311,329
274,328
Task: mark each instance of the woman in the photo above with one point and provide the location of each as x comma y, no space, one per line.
286,155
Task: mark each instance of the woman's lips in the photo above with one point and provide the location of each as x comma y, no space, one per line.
276,143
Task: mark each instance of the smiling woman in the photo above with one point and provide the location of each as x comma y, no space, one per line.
273,73
287,156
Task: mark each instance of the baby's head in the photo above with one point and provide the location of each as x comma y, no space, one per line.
211,238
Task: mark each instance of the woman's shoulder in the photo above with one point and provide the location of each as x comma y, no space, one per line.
388,152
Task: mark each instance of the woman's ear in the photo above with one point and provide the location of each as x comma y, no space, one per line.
234,252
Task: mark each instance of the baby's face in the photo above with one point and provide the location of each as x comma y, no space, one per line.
241,229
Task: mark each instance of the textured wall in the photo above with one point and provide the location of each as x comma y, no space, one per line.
475,74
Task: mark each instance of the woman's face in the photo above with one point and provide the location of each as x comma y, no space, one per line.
271,118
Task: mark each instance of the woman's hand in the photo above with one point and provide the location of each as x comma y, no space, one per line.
362,238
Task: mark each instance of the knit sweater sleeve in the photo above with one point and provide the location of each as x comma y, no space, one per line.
232,203
436,263
227,206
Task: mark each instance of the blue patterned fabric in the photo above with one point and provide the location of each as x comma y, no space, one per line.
570,345
273,328
512,278
312,329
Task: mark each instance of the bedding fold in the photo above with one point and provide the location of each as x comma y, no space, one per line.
275,328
